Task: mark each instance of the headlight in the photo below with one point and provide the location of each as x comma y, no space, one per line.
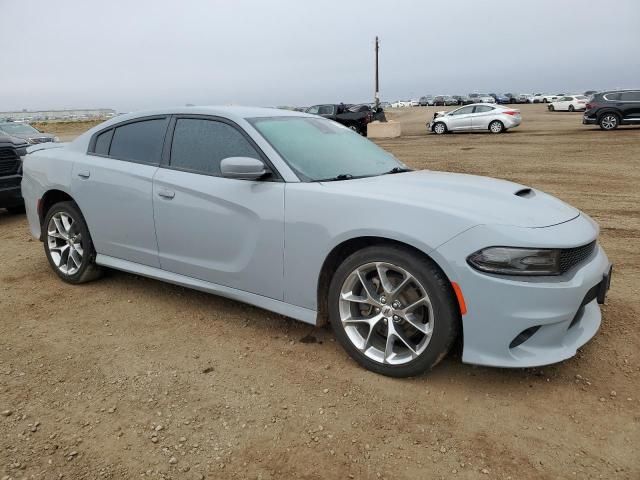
516,261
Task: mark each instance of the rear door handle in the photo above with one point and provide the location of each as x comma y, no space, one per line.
168,194
84,174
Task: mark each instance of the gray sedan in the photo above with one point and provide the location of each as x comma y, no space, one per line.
26,132
297,214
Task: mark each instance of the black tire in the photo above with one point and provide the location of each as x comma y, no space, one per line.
544,100
551,108
446,313
496,127
88,270
571,109
609,121
439,131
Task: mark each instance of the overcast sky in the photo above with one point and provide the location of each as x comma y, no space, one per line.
133,54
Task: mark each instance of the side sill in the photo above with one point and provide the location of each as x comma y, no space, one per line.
299,313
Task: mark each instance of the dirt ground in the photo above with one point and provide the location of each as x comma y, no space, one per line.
132,378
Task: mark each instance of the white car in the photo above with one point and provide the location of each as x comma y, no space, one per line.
414,103
478,116
545,98
569,103
401,103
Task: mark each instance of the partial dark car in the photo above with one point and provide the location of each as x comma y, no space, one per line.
355,120
12,150
449,100
26,132
439,100
500,98
612,109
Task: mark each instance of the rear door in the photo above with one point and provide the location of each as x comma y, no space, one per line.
221,230
482,116
112,185
630,106
460,119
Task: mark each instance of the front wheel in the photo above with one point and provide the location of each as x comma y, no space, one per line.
544,100
551,108
393,311
571,108
440,128
609,121
68,244
496,126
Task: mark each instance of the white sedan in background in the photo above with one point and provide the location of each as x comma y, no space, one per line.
478,116
569,103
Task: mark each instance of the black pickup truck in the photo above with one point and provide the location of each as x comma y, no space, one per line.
12,150
356,117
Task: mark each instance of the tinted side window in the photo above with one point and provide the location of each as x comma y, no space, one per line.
313,109
483,108
326,110
463,111
103,141
630,96
612,96
200,145
140,141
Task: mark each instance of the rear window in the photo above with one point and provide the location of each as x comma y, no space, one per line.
103,141
140,141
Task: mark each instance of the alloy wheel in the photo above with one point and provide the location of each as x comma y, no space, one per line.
386,313
609,122
439,128
496,127
65,243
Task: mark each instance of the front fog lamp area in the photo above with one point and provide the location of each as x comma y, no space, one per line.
516,261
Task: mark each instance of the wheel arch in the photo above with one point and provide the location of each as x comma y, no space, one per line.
50,198
343,250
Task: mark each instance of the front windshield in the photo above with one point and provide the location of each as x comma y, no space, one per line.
18,129
319,149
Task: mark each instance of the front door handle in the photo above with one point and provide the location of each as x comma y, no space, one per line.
168,194
84,174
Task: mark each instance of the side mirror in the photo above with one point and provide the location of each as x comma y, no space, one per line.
243,168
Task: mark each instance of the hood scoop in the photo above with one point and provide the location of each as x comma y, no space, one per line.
525,193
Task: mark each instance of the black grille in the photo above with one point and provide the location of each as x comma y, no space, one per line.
9,161
570,257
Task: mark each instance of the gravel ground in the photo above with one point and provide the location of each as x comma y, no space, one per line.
131,378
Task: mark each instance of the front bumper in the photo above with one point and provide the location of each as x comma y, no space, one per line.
10,193
527,321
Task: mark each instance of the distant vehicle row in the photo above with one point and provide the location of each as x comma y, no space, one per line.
500,98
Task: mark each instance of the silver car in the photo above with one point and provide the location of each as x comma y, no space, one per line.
297,214
475,117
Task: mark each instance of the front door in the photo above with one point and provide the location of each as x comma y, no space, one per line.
226,231
460,119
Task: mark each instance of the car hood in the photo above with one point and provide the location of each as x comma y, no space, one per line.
482,200
29,136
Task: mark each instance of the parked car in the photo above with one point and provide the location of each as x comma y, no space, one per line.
478,117
376,113
355,120
26,132
439,100
500,98
590,93
545,98
524,98
283,210
401,103
426,100
570,103
464,100
449,100
611,109
414,103
12,149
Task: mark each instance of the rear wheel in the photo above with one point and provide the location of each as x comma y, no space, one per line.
571,108
496,126
393,311
609,121
544,100
551,108
68,244
440,128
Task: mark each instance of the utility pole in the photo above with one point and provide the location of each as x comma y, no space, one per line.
377,93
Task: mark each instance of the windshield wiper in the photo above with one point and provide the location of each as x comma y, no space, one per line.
398,170
342,176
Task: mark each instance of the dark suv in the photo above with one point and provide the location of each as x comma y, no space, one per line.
11,151
611,109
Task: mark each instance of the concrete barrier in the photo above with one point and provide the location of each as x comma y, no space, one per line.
388,129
